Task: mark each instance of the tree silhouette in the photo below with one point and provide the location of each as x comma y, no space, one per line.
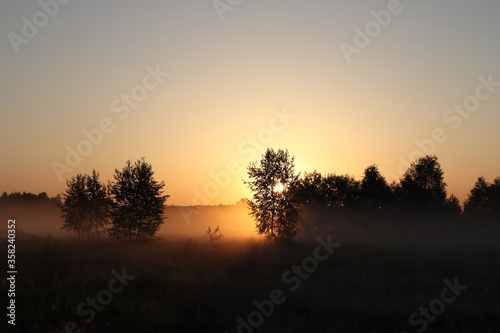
483,199
329,191
311,190
85,205
422,186
341,191
376,194
275,204
453,207
138,203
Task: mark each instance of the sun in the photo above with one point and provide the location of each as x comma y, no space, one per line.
278,188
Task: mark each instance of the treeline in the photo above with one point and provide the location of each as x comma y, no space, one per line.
421,190
28,196
132,205
420,195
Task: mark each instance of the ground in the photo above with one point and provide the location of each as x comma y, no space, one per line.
192,285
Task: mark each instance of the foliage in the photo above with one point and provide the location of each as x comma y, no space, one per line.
422,186
483,199
421,189
328,191
275,204
341,191
138,203
375,192
27,196
311,189
453,207
85,205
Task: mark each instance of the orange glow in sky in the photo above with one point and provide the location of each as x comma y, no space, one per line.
200,98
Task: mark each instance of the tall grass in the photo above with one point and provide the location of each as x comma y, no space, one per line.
186,285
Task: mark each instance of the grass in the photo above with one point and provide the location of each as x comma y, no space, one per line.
184,285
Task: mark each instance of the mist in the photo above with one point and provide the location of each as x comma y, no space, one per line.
43,218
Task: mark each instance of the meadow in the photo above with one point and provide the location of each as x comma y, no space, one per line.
374,281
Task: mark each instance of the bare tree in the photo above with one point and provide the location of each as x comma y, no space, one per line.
214,235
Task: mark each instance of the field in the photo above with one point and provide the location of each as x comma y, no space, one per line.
374,280
195,286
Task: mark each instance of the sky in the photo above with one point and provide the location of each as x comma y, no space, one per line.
201,88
